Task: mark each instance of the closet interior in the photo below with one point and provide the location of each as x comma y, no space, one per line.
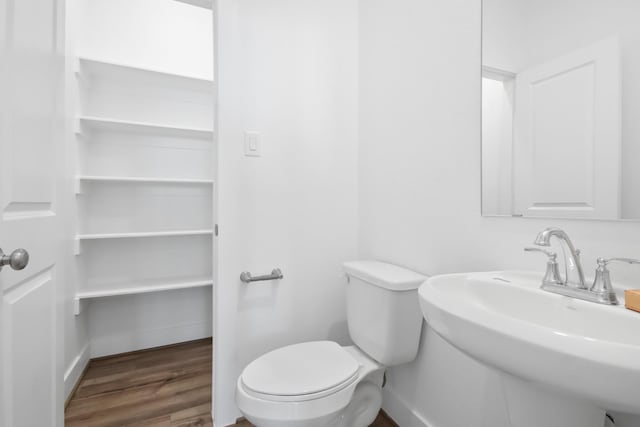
141,147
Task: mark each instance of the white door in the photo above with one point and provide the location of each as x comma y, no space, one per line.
31,142
567,135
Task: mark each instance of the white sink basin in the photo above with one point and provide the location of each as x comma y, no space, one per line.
586,351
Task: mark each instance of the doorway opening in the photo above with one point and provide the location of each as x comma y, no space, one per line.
141,155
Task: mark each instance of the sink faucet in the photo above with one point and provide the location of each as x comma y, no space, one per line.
574,276
573,285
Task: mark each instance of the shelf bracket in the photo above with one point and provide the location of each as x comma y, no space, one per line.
79,306
76,65
77,126
78,186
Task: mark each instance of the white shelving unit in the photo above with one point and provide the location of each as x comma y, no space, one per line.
144,234
141,235
137,179
98,67
135,289
115,125
145,146
151,180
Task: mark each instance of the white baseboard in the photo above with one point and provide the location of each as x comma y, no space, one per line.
75,369
400,411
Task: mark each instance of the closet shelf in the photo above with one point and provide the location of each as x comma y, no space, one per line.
176,233
143,180
137,289
117,125
110,68
142,289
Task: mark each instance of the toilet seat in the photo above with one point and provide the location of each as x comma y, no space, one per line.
271,410
300,372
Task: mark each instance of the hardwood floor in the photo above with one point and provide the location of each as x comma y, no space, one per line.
164,387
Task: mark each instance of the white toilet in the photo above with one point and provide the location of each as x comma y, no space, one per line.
320,383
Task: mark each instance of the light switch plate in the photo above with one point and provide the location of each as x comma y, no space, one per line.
252,144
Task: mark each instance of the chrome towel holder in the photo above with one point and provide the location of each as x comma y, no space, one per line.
276,274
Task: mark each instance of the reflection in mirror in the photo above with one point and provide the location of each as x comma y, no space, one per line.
560,100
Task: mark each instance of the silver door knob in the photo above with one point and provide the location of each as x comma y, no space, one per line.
17,260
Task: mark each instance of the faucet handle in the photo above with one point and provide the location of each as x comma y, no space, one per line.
552,275
552,255
602,283
604,262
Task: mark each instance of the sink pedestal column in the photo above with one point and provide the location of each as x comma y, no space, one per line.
531,405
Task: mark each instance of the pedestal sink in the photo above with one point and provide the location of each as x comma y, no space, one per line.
563,361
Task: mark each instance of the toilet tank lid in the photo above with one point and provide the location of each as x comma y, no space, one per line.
384,275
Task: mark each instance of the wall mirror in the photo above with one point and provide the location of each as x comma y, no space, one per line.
561,108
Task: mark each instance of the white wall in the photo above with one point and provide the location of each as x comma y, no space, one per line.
419,186
123,323
504,31
157,34
287,69
164,35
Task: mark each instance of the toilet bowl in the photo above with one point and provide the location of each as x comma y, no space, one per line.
312,384
322,384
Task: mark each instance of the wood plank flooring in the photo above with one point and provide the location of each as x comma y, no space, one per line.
163,387
166,387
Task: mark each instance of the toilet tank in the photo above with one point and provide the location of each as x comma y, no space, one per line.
383,311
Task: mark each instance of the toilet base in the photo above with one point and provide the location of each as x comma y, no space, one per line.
333,420
360,412
364,406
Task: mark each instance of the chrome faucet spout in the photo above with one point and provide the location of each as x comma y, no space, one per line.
544,237
574,275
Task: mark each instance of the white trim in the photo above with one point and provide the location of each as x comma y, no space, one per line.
497,73
206,4
400,411
75,370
